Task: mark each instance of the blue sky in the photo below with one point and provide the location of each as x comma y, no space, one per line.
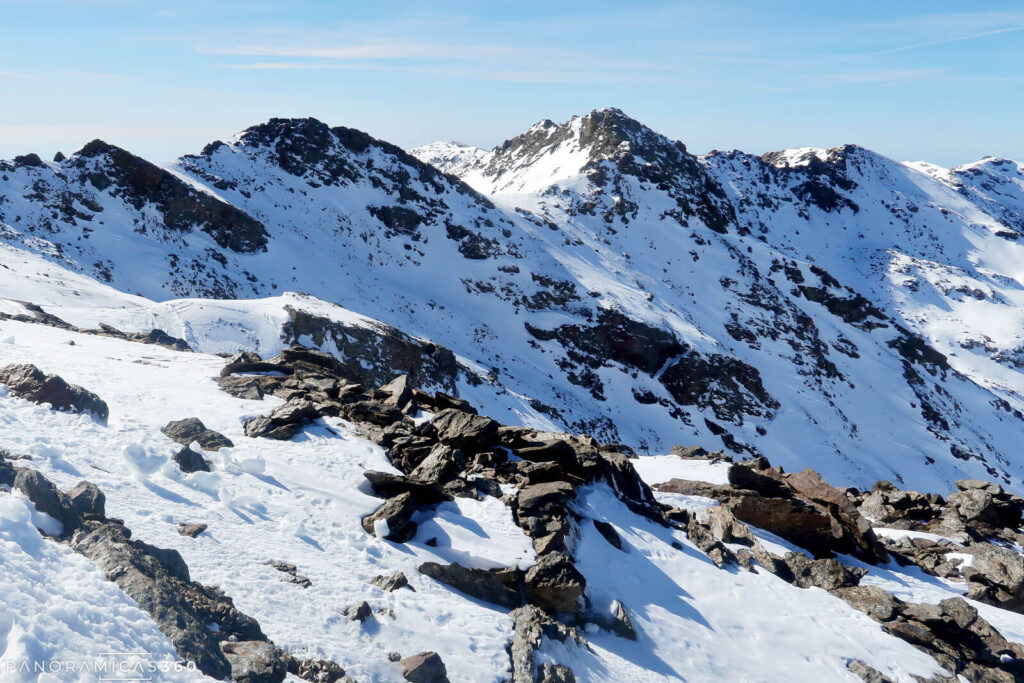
935,80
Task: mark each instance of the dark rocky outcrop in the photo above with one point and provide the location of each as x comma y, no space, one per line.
799,507
183,208
374,355
49,499
159,582
32,384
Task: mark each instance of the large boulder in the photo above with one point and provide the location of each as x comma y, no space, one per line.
32,384
192,429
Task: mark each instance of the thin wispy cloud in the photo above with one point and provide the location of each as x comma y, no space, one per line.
947,41
885,77
366,51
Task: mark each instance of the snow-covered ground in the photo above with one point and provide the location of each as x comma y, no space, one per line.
298,501
301,502
62,620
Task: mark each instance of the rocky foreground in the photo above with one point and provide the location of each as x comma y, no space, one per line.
443,450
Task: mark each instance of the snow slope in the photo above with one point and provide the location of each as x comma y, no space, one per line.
62,619
300,501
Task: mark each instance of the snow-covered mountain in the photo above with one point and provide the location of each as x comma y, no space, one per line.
824,307
306,406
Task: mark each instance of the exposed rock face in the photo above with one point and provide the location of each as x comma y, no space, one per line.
893,506
182,207
192,429
799,507
530,626
254,661
826,573
374,355
996,577
182,608
32,384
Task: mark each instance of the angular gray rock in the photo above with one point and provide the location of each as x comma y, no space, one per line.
463,430
360,612
32,384
497,586
254,661
391,582
395,515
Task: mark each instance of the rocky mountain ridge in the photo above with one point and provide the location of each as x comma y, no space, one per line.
599,279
